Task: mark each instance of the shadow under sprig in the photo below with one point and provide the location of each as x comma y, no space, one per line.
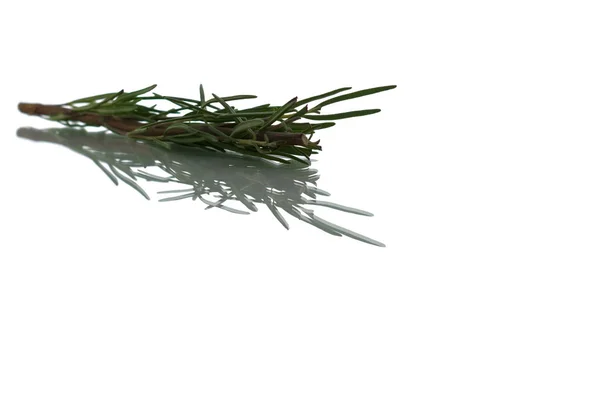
215,179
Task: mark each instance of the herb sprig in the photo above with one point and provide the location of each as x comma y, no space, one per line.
277,133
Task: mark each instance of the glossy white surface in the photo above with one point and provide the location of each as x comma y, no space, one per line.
481,172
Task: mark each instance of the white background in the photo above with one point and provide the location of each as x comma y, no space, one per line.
482,169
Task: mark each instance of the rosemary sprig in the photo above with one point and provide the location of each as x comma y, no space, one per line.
278,133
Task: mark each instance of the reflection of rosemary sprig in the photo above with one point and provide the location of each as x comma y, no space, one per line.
277,133
223,181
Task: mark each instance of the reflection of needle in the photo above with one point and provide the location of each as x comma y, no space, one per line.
211,178
221,206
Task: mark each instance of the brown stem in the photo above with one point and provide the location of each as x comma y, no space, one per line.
123,126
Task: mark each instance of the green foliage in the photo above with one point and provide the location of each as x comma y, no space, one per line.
215,124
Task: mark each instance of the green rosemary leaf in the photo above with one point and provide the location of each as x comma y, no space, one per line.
90,99
297,115
155,95
345,115
193,131
177,101
244,151
117,109
245,125
280,112
223,117
356,94
306,152
128,96
289,151
255,108
181,134
148,111
310,127
321,96
226,106
141,129
230,98
97,104
202,97
217,131
189,140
